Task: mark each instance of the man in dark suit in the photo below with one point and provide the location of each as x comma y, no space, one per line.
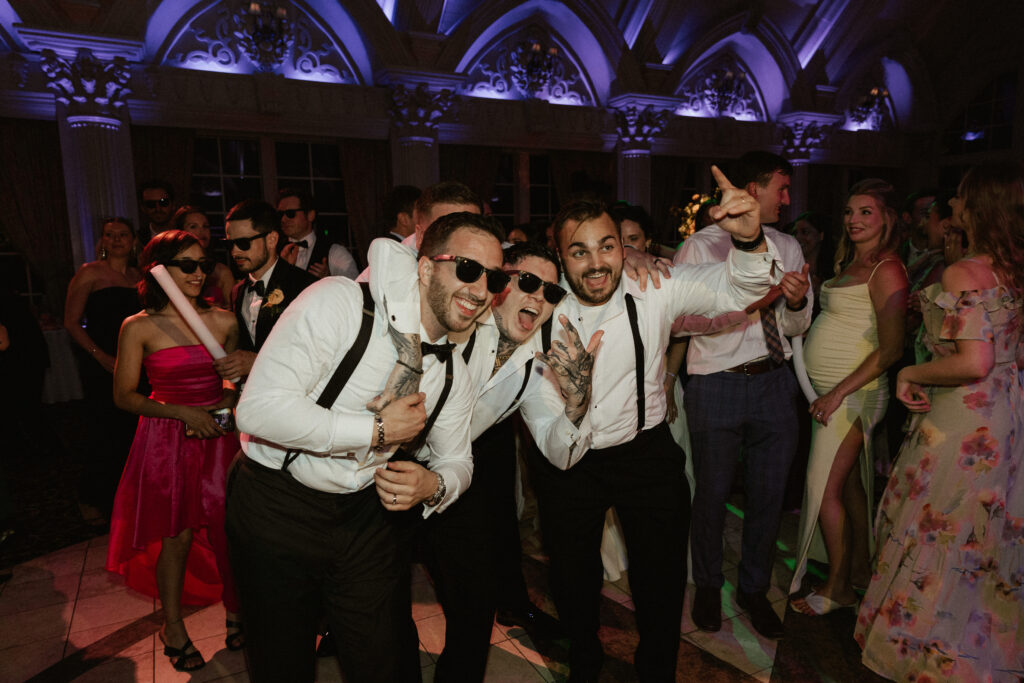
272,284
306,247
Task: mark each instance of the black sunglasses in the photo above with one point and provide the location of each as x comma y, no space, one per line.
243,243
290,213
528,284
153,203
468,270
188,266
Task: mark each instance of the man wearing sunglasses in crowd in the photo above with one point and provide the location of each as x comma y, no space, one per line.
269,285
473,550
307,248
319,508
156,199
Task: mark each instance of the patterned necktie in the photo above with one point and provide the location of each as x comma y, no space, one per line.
772,338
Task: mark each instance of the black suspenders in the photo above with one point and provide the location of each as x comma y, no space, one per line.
345,368
638,350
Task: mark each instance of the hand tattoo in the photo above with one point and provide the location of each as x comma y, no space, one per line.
573,371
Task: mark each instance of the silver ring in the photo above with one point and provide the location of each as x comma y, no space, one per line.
394,499
818,414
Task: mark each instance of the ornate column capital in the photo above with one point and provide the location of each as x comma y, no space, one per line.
416,113
93,91
803,132
637,127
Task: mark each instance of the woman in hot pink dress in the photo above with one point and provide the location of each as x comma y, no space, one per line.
167,529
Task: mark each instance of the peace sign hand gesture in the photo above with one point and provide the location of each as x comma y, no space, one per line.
738,213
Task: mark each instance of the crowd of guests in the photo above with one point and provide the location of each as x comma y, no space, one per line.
374,421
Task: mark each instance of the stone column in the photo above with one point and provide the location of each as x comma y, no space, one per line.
636,129
415,115
802,133
95,142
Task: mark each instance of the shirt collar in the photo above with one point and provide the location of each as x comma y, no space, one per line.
265,278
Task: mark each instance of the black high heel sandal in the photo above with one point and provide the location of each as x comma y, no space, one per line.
180,656
235,641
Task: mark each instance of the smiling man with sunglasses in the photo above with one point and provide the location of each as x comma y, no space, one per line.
269,286
315,506
473,550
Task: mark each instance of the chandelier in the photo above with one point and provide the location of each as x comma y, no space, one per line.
531,68
264,34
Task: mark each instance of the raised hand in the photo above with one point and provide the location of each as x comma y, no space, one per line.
290,253
738,213
573,367
319,269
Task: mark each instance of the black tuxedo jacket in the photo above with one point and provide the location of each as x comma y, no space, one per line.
286,277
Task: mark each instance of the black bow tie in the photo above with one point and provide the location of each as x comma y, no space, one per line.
257,287
302,243
442,351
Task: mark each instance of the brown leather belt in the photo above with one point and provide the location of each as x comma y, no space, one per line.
756,367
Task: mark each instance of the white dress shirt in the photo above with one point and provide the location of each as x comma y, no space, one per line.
611,418
278,411
391,266
339,260
251,301
745,342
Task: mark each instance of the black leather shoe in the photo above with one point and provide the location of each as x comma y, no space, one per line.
707,609
327,646
762,617
538,624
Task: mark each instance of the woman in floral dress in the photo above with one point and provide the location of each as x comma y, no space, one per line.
946,601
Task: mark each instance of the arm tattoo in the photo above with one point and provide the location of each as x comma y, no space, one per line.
405,377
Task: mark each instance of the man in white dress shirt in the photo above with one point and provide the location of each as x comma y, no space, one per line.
303,246
742,397
313,511
609,445
473,551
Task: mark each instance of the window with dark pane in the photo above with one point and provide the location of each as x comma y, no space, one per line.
502,199
224,172
987,121
543,200
316,168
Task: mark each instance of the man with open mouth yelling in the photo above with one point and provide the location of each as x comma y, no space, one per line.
473,550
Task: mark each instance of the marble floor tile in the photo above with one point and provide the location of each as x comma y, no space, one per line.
21,662
68,561
110,608
137,669
506,664
431,631
78,640
30,595
738,644
99,581
31,626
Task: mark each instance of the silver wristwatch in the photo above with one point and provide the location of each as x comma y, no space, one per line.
438,494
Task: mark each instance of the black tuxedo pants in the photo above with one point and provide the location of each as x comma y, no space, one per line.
473,553
644,479
298,553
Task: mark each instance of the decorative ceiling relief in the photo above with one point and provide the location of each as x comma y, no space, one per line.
871,111
723,87
94,91
530,63
637,128
260,37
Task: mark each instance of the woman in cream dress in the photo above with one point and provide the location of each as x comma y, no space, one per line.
858,334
